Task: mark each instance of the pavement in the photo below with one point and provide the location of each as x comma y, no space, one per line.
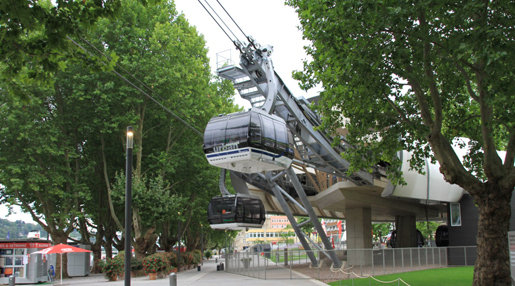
208,276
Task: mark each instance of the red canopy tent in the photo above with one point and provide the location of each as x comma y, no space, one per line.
60,249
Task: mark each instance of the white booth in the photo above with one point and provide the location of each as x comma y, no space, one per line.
15,260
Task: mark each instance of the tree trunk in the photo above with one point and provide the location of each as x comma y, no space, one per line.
60,237
145,244
492,264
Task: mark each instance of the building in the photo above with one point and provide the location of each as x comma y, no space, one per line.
274,231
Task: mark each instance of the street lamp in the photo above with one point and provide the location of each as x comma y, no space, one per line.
179,241
128,202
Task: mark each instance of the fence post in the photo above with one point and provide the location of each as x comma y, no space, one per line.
384,263
266,266
465,251
319,264
426,257
393,259
402,257
411,257
372,251
264,257
291,262
286,257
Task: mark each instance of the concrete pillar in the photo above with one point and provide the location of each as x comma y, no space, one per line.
406,226
358,222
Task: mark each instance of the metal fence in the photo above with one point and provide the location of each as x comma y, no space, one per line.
295,264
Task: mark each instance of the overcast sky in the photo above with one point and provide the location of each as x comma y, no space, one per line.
269,22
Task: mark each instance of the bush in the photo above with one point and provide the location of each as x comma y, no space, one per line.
197,256
101,264
113,268
208,254
188,258
136,264
174,259
154,263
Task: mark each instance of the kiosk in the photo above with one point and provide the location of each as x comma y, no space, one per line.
15,260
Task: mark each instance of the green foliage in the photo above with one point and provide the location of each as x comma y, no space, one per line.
62,170
197,256
307,228
102,265
34,37
426,77
172,259
18,229
287,235
188,258
208,254
154,263
136,264
380,229
113,267
428,228
401,76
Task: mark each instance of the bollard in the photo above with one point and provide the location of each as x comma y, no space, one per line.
173,279
198,267
12,280
286,257
222,266
218,267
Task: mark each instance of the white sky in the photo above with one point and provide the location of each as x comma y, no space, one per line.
269,22
16,215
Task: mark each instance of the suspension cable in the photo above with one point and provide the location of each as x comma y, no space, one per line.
238,26
234,40
142,91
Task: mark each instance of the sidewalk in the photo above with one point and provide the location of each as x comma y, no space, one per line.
208,276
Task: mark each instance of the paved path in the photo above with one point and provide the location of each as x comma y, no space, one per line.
208,276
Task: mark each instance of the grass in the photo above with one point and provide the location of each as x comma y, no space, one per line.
293,255
455,276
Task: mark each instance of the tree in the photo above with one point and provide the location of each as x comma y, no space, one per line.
34,37
428,229
308,227
287,235
145,38
424,76
60,151
18,229
379,230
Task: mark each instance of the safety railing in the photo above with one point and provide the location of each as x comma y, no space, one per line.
295,263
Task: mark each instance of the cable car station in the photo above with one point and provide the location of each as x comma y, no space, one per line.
275,154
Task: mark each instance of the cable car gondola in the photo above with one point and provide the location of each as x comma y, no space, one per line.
248,142
235,212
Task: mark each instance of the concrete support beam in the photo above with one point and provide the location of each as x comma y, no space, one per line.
359,235
406,226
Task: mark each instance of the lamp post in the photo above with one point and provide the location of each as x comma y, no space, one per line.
128,202
179,242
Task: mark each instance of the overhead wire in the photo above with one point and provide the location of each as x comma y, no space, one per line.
116,64
236,41
238,26
141,90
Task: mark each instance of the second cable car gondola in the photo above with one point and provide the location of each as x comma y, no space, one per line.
248,142
235,212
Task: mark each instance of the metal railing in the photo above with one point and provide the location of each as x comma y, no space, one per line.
295,264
